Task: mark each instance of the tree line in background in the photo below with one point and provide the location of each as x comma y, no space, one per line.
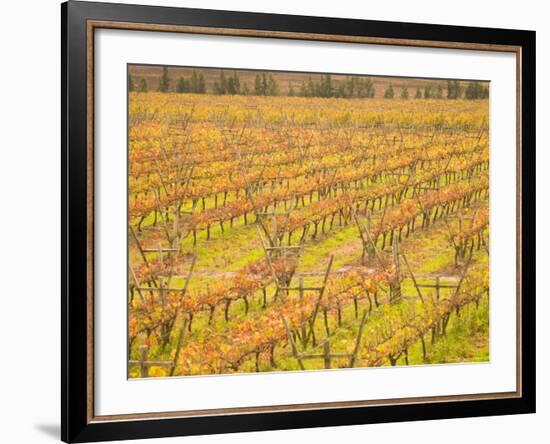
267,85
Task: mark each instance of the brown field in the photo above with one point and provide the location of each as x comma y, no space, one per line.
285,79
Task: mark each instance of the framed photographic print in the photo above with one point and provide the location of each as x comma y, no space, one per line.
276,221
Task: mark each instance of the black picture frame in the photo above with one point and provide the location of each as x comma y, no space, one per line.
76,423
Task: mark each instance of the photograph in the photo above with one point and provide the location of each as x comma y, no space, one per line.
293,221
287,222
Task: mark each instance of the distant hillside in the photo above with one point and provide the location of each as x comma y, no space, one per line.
284,79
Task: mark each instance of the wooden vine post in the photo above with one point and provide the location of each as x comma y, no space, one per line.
395,282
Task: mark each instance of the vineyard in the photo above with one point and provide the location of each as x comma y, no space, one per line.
298,233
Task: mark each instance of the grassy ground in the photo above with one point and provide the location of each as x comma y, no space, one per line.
428,252
227,251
